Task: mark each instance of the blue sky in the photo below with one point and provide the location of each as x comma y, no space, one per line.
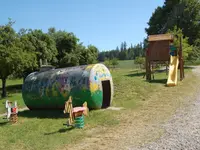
103,23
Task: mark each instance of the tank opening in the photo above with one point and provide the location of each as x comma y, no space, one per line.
106,93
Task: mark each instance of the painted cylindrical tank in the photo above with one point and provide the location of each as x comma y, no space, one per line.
51,89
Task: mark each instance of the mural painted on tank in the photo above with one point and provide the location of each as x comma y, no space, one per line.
98,74
52,88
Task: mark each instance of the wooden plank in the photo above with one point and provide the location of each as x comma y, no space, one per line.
160,37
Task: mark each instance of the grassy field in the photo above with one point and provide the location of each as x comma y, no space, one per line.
45,130
14,93
127,64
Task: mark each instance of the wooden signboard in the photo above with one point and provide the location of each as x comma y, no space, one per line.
160,37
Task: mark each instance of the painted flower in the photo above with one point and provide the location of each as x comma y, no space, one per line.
93,87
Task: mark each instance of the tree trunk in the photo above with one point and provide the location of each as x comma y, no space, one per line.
3,88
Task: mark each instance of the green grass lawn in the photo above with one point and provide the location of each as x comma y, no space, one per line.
14,93
45,130
127,64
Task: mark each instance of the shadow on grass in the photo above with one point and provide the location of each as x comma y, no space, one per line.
60,131
188,67
53,114
3,123
139,74
13,88
160,71
10,89
158,81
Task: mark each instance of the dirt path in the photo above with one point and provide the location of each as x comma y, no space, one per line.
183,130
150,128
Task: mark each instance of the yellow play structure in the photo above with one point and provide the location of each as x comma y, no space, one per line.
161,50
173,71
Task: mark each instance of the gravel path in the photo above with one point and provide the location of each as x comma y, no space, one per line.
182,132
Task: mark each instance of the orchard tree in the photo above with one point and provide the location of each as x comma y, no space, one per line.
87,55
92,54
43,45
13,58
140,61
66,44
107,63
114,62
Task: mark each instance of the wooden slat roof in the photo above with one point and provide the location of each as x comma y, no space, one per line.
160,37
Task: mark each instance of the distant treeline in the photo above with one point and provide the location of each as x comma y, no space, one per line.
124,52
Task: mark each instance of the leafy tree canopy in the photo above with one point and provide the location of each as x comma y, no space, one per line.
13,56
185,14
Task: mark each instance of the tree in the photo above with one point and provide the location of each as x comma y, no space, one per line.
185,14
125,45
44,45
122,55
101,56
187,48
117,48
131,46
13,58
130,53
51,31
39,43
66,44
145,46
114,62
69,60
107,63
92,52
140,61
138,50
27,46
195,54
87,55
122,47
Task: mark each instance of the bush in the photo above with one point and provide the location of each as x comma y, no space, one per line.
140,61
107,63
114,62
111,63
